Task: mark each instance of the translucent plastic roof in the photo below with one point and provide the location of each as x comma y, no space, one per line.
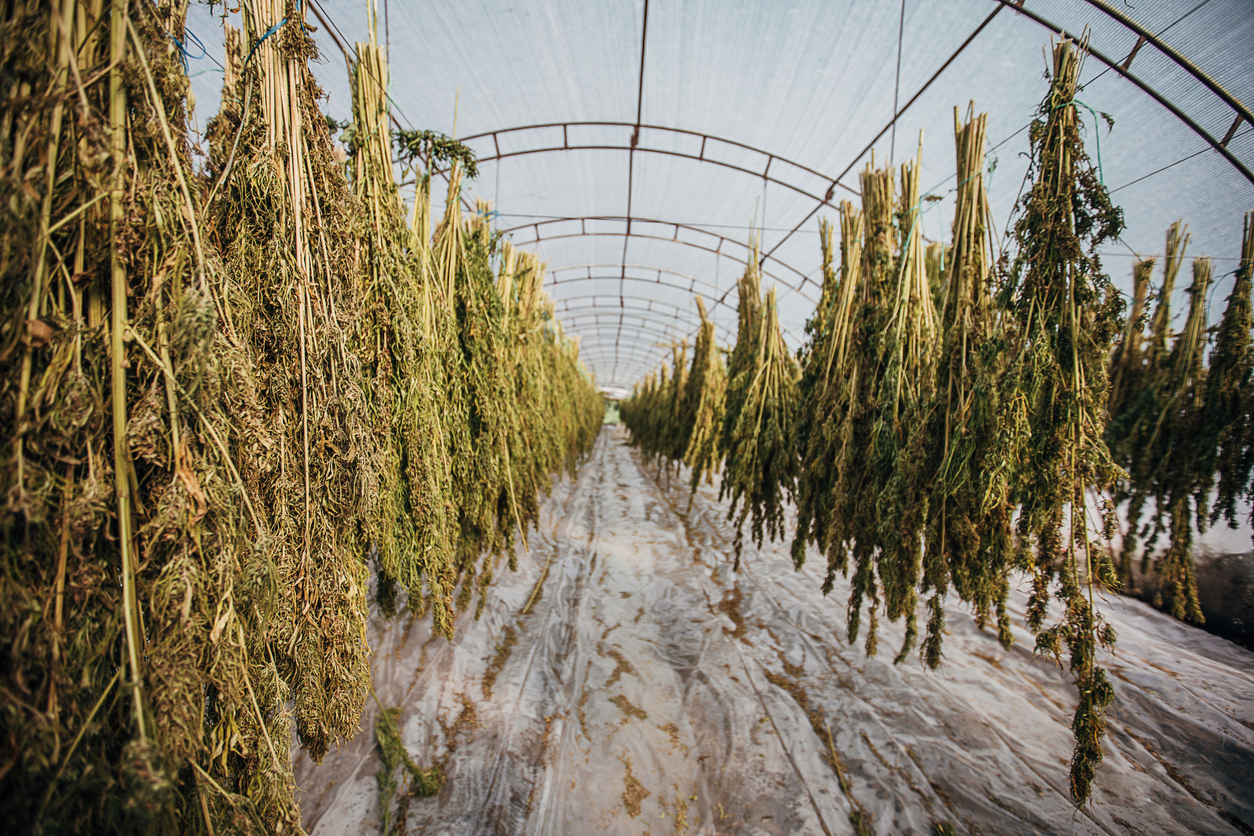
632,144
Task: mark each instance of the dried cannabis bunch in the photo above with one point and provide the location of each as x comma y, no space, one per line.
1064,316
759,471
1180,429
223,389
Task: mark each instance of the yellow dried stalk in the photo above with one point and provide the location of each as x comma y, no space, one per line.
705,397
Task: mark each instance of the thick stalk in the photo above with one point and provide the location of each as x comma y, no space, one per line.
57,23
121,459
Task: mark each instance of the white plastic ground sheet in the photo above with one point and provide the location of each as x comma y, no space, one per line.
625,681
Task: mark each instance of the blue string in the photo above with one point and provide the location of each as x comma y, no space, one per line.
1097,132
182,48
276,27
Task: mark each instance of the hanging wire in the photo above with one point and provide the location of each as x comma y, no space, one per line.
901,28
1176,163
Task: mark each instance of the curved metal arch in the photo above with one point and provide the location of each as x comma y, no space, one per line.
603,340
1166,49
643,326
633,145
690,315
619,372
695,321
625,378
635,329
639,362
695,280
591,315
719,300
634,366
601,347
802,278
1149,90
640,330
600,333
575,281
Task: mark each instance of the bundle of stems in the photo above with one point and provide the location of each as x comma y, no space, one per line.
505,347
141,593
827,370
906,380
1126,364
650,412
559,411
851,527
399,337
1137,415
481,473
704,400
743,353
1228,428
1182,430
968,527
1065,317
639,412
679,427
676,415
289,231
760,467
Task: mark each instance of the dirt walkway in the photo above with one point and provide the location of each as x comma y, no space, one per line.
624,680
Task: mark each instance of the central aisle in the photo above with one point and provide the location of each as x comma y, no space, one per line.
625,680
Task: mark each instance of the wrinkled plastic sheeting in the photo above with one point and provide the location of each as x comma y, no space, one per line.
649,689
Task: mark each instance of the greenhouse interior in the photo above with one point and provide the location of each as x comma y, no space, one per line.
623,417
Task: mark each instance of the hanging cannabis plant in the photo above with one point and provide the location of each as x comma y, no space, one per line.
1227,426
1136,407
968,529
899,438
704,400
842,503
830,375
760,468
1065,316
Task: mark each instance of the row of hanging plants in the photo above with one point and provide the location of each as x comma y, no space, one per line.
228,388
953,419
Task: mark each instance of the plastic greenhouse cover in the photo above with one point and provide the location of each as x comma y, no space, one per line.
793,90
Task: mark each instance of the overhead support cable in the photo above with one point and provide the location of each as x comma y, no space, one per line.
953,56
1173,165
901,31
